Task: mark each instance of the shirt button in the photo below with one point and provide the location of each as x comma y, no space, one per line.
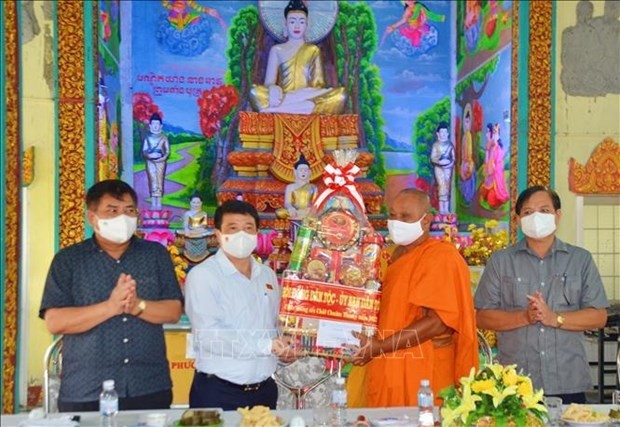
125,340
541,261
542,353
541,330
124,319
542,283
126,361
118,261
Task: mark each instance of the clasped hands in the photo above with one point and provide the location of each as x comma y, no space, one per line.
539,311
124,298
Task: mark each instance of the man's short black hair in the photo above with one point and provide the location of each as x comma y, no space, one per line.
234,207
529,192
114,187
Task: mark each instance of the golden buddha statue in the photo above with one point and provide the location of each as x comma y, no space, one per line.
299,195
294,80
195,219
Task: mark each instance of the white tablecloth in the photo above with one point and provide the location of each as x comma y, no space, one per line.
232,418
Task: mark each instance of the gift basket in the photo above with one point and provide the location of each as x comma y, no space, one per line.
331,287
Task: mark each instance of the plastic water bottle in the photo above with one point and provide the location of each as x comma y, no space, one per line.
425,404
108,404
339,404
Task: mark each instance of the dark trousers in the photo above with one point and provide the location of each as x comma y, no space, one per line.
209,391
158,400
567,399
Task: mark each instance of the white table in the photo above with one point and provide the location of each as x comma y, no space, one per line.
232,418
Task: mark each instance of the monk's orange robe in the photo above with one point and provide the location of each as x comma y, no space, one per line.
432,275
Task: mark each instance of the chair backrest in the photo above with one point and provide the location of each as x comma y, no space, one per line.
485,349
52,366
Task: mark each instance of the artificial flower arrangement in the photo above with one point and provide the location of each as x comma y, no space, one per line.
180,265
494,396
484,241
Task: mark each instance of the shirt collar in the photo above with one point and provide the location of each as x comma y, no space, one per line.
92,244
228,268
557,246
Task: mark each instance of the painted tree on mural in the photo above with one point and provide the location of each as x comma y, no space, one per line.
355,40
240,54
424,131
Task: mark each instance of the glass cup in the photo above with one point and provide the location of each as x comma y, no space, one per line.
554,409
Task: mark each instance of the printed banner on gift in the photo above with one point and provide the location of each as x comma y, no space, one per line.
333,302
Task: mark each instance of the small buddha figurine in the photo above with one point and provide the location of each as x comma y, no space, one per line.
294,81
156,150
195,219
299,195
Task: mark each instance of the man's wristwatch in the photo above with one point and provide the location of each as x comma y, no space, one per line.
560,320
141,307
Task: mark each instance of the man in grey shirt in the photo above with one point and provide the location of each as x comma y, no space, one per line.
540,295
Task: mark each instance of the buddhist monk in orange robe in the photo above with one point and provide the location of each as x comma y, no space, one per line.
427,327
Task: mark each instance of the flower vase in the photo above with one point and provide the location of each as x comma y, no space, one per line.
489,421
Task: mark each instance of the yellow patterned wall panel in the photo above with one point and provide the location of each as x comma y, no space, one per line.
12,188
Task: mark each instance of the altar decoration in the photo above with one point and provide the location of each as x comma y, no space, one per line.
483,242
496,395
180,264
331,286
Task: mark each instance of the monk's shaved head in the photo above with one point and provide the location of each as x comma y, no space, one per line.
420,199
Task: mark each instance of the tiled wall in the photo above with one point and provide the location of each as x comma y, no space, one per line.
601,236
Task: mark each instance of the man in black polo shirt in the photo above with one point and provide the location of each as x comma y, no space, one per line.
109,296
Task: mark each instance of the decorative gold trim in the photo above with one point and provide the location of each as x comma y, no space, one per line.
12,190
539,88
514,120
28,166
71,109
601,174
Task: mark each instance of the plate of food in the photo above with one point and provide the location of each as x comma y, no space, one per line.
200,418
259,416
583,416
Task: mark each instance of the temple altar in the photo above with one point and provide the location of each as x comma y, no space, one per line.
270,144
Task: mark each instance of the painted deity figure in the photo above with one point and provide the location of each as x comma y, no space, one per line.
294,80
195,219
442,158
156,150
472,23
467,169
413,25
299,195
493,190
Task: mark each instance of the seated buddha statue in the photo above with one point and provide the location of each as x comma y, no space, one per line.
299,195
294,80
195,219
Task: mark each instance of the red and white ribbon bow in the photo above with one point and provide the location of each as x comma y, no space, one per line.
340,179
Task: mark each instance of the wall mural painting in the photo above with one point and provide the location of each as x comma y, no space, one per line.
482,122
109,91
204,68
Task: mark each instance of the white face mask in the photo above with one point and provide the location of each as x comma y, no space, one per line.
405,233
118,229
240,244
538,225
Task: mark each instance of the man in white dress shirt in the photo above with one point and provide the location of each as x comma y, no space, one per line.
232,302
